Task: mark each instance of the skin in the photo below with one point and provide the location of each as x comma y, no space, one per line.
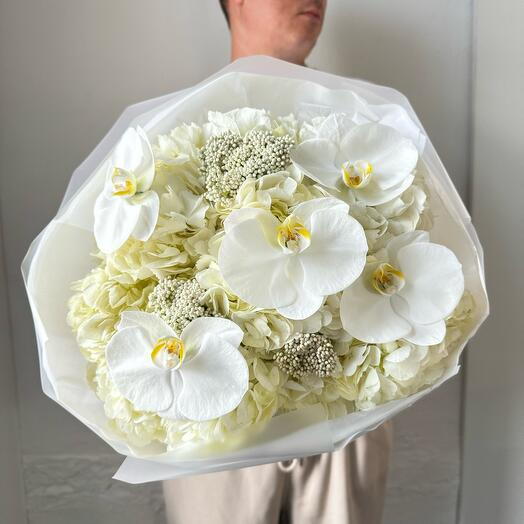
285,29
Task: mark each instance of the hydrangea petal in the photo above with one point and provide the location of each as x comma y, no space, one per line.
115,219
369,316
335,126
393,116
134,373
214,380
403,363
239,121
248,118
434,282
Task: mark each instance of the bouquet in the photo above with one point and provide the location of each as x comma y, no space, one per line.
264,266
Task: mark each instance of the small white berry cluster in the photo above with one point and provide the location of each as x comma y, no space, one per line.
307,354
178,302
229,159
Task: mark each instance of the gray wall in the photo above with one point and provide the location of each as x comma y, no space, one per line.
68,68
493,461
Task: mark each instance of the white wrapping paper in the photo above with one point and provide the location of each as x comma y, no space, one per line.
61,255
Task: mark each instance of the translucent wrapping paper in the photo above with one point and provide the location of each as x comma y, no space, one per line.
61,255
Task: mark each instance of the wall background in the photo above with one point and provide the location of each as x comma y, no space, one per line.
494,415
67,70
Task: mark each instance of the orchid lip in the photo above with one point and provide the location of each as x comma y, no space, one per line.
168,353
387,279
356,175
123,183
292,235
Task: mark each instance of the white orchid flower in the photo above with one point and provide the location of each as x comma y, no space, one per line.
127,206
371,163
198,375
406,295
292,265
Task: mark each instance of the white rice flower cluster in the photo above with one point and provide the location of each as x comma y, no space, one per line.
203,173
229,159
178,302
307,354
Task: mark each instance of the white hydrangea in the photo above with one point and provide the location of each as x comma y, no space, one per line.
383,222
177,156
263,329
186,242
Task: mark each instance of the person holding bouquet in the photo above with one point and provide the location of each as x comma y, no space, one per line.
347,486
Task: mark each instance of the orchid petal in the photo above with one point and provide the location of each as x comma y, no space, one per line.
128,153
252,263
336,255
145,172
427,334
434,283
149,205
369,316
222,328
384,147
115,219
305,305
134,373
392,157
397,243
172,412
238,216
317,157
307,208
134,153
374,195
150,322
306,302
214,380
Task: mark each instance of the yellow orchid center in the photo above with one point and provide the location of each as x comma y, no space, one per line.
168,352
292,235
387,280
124,182
356,175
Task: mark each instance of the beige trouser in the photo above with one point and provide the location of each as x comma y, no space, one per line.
346,486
